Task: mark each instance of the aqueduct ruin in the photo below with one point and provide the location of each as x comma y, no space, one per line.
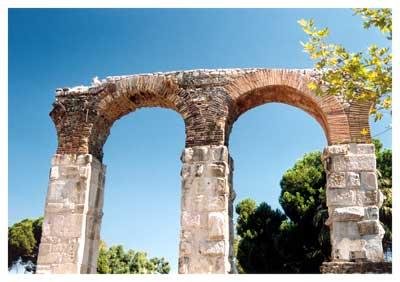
209,102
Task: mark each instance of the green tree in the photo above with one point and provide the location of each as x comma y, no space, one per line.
298,241
304,202
258,228
384,171
23,247
364,75
23,243
115,260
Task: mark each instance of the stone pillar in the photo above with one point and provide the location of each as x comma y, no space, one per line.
353,201
73,212
206,236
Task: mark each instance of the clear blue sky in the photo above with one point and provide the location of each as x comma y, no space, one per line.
53,48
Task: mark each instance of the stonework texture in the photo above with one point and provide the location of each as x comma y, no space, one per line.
206,218
71,227
353,200
209,102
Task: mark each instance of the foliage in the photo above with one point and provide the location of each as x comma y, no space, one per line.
363,76
298,241
256,226
304,202
384,170
115,260
23,243
23,247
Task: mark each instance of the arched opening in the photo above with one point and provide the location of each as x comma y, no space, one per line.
145,185
286,95
84,119
277,126
142,190
290,87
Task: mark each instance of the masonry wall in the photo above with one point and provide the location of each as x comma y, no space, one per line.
209,102
73,212
353,201
206,211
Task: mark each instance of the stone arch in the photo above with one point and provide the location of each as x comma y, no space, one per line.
83,119
209,101
290,87
128,94
131,93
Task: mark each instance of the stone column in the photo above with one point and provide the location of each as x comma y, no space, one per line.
206,234
353,201
73,212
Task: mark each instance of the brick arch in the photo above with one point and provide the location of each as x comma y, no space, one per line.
290,87
135,92
131,93
84,119
128,94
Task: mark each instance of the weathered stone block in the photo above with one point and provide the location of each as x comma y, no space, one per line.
187,183
222,186
45,249
198,170
54,172
358,255
186,235
353,180
62,159
369,181
186,202
219,153
85,159
360,162
185,248
338,163
213,248
183,265
200,154
340,197
368,198
84,172
366,149
348,214
187,155
216,225
373,246
69,172
216,170
190,220
337,149
216,203
368,227
336,180
344,230
48,259
202,185
210,186
54,207
372,213
199,203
